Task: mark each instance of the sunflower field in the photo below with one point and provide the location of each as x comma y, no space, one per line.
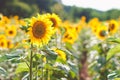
46,46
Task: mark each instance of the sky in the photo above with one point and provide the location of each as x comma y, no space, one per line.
102,5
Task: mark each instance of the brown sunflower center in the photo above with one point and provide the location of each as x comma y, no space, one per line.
66,36
8,43
10,32
2,44
38,29
70,38
54,22
112,26
102,33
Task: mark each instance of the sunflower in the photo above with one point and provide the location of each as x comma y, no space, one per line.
3,43
40,30
2,36
101,32
54,19
9,44
11,31
70,37
112,27
5,20
93,22
83,19
61,54
78,28
22,22
95,27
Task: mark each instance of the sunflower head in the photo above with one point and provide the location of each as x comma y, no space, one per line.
40,30
11,31
70,37
3,43
83,18
54,19
22,22
93,22
5,19
95,27
102,32
112,27
61,54
9,44
2,36
78,28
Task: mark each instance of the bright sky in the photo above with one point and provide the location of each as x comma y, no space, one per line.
102,5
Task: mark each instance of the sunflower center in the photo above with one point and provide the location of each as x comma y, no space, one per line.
70,38
10,32
53,21
102,33
38,29
66,36
8,43
112,26
2,44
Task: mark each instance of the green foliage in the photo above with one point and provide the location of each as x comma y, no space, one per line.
76,12
50,55
3,71
114,75
113,14
26,8
16,7
22,67
44,5
115,40
14,55
114,50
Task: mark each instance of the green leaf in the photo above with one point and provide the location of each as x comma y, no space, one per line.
67,52
51,55
11,56
114,75
72,74
69,46
25,76
3,71
3,58
22,67
117,79
73,69
116,40
113,51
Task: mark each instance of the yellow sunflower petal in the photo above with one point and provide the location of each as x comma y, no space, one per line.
40,30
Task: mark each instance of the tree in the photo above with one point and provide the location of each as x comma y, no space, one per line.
16,7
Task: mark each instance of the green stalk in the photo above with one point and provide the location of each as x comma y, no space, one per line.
36,72
31,62
48,74
56,39
42,73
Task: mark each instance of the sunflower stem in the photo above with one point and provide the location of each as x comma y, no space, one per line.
31,62
42,72
37,73
48,74
56,39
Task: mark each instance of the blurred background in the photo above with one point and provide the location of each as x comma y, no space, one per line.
27,8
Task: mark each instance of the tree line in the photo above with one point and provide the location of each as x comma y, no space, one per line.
27,8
